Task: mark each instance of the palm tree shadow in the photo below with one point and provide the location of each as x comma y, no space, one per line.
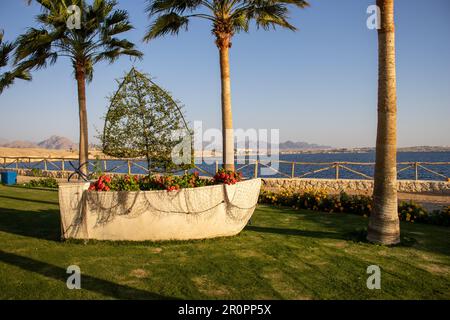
42,224
90,283
296,232
29,200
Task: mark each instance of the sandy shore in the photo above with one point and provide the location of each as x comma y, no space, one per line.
45,153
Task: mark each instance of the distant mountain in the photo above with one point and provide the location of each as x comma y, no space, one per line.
290,145
54,143
19,144
57,143
283,146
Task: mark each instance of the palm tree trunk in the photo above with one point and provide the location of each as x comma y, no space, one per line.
384,225
227,116
80,74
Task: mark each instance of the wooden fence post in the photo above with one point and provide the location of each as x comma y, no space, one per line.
293,170
337,171
256,169
416,168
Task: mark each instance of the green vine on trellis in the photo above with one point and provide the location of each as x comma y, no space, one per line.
143,120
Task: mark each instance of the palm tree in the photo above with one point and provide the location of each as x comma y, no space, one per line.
7,78
384,224
227,17
96,40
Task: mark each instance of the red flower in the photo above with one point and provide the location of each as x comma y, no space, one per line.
227,177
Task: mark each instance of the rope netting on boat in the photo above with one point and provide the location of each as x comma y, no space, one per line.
237,202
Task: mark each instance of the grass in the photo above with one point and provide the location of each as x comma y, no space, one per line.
284,254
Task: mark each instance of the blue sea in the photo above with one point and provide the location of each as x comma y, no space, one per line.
285,169
368,170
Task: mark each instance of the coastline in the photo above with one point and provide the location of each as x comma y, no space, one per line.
54,153
44,153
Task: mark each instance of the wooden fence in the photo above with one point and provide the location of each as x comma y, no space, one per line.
252,166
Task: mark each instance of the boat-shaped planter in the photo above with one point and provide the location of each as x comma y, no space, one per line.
186,214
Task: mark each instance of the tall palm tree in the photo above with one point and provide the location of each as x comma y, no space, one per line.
96,40
7,78
384,224
227,17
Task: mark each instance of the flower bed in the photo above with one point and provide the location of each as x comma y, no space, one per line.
318,200
157,208
160,182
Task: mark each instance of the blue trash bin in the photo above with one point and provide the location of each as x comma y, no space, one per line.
9,177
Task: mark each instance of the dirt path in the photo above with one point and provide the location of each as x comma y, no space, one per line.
429,201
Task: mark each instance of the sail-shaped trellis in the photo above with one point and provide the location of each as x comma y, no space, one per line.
143,120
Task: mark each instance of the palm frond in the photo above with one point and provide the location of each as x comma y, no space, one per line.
7,78
6,49
271,15
227,16
298,3
95,41
176,6
170,23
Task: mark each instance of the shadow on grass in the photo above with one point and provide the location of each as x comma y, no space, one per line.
42,224
29,200
18,186
296,232
350,227
360,236
90,283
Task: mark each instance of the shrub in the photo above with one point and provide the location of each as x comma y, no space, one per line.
134,183
35,172
268,197
193,180
125,183
356,204
412,212
440,217
318,200
173,183
50,183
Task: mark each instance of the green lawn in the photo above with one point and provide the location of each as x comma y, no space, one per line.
284,254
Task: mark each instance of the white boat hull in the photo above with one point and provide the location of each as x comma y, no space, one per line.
196,213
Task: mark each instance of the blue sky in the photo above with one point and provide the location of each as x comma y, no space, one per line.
317,85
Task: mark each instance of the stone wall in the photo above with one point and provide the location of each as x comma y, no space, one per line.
354,186
47,174
56,174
